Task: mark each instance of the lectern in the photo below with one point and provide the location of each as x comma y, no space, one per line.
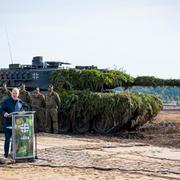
23,135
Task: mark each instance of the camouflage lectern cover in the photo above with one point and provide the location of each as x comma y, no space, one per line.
23,135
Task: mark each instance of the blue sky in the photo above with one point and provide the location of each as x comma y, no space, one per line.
139,36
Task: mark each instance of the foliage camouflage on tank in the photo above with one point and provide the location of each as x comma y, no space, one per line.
86,108
85,111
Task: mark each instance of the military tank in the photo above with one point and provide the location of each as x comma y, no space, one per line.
35,75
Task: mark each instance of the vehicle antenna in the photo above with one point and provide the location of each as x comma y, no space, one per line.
9,45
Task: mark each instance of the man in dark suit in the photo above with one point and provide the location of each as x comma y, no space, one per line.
11,104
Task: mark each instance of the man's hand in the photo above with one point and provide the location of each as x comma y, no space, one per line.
6,114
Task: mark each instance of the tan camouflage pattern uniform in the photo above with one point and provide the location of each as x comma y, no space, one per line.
4,93
53,103
25,96
38,105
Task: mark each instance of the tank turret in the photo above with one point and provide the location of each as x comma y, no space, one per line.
38,74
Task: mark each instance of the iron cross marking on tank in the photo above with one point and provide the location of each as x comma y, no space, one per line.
35,75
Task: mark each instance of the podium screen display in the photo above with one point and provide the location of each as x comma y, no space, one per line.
23,136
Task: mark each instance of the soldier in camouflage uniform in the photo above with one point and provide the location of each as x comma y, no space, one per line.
4,94
25,96
38,105
53,104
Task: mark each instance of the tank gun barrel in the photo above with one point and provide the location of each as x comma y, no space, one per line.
57,62
61,63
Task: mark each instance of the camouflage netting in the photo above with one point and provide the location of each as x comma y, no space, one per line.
99,81
86,108
85,111
91,79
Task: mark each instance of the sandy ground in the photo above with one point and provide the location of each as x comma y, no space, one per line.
153,152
